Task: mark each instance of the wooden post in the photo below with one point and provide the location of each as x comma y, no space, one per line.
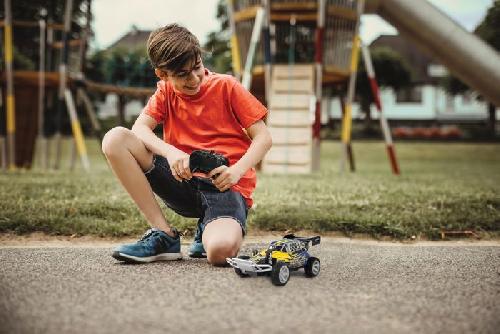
3,144
316,148
11,110
42,139
266,39
62,80
120,108
235,50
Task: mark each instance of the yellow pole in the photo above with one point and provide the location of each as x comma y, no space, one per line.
11,111
235,50
347,119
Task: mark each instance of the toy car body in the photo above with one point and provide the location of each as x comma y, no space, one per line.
289,253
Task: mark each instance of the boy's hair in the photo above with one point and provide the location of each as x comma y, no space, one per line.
171,47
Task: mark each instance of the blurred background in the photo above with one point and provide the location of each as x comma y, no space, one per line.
418,75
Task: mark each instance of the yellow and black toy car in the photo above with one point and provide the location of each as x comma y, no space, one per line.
289,253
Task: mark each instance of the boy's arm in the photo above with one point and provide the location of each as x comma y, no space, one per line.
261,143
177,159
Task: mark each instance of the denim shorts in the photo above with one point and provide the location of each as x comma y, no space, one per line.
195,198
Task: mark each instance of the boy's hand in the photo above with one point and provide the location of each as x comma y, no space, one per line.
179,165
228,177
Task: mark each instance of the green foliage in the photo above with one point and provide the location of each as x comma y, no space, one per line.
489,28
442,186
218,50
121,67
26,40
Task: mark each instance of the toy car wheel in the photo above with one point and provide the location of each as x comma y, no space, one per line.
280,273
312,267
240,273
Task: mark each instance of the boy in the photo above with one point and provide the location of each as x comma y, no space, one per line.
198,110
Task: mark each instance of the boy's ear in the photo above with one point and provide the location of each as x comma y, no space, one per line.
161,74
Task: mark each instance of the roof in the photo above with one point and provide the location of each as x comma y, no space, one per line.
416,59
134,39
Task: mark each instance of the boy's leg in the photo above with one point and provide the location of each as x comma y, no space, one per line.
222,238
129,158
223,223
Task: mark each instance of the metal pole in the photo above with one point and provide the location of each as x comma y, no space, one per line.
62,80
464,54
319,85
376,97
235,50
347,119
257,29
11,111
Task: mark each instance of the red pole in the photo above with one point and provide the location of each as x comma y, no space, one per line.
383,121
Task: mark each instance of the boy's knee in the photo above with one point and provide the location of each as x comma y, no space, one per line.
114,139
217,252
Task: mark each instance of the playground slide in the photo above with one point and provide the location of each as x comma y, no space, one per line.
464,54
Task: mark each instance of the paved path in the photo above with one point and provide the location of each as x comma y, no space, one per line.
364,287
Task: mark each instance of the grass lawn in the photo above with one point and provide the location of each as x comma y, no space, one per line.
450,186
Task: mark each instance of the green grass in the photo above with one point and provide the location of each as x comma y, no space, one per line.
443,186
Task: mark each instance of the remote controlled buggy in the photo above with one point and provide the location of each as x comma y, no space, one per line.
282,256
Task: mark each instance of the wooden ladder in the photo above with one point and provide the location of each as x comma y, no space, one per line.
291,115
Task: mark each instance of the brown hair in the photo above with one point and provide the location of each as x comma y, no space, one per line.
171,47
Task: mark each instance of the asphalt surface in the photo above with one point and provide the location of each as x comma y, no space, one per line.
362,288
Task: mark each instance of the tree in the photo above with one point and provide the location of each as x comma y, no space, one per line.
391,71
26,39
218,57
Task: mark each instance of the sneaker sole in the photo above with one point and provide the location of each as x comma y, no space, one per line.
198,255
160,257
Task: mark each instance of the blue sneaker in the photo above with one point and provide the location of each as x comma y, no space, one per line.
155,245
196,250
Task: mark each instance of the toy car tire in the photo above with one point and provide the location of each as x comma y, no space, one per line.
240,273
312,267
280,273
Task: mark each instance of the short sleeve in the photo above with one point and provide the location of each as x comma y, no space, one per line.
156,106
245,106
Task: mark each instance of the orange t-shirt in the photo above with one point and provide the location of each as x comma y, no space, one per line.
213,119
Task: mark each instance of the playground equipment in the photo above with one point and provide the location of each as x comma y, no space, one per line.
315,41
293,35
464,54
61,87
20,114
306,45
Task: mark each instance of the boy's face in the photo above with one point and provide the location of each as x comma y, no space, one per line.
188,80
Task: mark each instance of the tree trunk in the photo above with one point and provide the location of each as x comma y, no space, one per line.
365,108
491,120
121,101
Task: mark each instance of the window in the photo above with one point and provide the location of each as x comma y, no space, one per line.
409,95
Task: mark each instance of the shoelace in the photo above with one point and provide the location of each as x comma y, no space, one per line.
148,233
153,231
